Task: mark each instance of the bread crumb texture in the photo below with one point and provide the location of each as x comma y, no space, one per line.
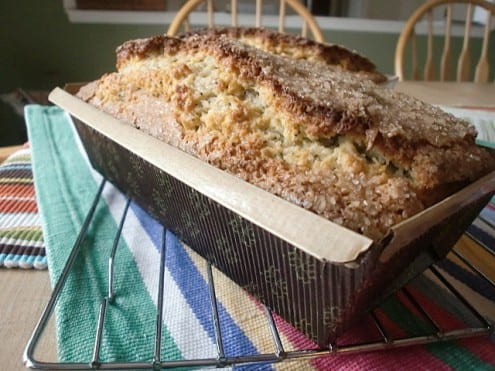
305,121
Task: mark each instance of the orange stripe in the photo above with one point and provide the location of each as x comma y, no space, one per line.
22,190
18,206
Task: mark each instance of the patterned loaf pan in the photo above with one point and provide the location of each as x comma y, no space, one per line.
317,275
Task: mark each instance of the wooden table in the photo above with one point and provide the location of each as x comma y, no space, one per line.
6,151
451,93
24,293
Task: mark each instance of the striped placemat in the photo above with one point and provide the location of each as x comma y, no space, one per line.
21,238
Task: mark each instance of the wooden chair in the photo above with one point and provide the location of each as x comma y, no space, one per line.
425,11
307,21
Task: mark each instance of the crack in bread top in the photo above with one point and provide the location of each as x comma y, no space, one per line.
296,47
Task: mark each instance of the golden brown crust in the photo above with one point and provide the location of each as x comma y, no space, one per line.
143,48
361,155
292,46
297,47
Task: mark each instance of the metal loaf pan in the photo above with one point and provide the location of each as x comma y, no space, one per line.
319,276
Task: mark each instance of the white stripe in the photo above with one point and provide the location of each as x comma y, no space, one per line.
21,242
16,164
20,219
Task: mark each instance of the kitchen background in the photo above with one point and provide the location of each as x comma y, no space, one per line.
45,43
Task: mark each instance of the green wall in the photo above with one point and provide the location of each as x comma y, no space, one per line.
40,49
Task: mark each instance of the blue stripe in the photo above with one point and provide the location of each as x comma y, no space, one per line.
190,282
484,237
194,287
29,259
41,259
196,291
473,281
489,214
13,257
15,166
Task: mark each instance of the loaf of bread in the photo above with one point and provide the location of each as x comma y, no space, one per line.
317,134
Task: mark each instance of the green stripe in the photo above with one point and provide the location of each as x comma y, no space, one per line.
64,186
23,233
450,352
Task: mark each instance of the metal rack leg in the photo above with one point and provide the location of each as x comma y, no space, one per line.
280,353
216,319
95,362
159,309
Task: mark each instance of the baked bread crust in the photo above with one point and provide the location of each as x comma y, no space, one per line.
326,139
297,47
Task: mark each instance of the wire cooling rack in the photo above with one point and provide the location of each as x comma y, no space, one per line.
478,325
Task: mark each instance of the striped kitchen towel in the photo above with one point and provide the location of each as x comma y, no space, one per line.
21,240
65,187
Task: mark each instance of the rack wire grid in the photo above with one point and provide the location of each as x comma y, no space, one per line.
435,333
